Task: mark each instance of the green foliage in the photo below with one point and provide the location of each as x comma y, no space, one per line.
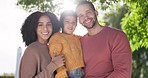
135,1
116,13
105,4
37,5
135,24
6,76
102,22
140,63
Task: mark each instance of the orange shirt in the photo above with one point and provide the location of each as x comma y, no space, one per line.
70,47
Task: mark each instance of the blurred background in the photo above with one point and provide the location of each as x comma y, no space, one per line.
131,16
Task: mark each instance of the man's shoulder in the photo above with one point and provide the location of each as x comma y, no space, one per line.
112,30
109,28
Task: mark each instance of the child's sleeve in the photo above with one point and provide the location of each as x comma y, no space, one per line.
55,45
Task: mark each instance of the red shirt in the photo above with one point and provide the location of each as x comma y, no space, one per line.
107,54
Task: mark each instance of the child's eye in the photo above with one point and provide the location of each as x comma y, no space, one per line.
66,21
73,23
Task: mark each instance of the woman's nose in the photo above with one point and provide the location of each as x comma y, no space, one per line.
45,27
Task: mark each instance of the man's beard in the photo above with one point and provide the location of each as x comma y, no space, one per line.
93,24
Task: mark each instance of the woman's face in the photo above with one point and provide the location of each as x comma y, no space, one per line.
70,23
44,29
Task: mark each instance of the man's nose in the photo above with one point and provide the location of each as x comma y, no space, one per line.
86,17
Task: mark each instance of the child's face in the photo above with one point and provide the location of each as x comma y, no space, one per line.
44,29
70,23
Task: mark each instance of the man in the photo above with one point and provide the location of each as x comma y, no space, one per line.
107,53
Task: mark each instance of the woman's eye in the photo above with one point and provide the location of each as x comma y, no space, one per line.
49,24
39,24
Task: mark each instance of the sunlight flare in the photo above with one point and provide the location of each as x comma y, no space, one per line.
69,5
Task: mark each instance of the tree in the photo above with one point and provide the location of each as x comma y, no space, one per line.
38,5
116,13
135,23
140,63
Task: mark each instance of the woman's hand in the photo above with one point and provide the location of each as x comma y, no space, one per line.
58,60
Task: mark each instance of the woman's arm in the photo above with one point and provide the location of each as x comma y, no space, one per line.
29,65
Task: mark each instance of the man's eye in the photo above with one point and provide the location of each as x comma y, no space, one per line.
88,13
81,16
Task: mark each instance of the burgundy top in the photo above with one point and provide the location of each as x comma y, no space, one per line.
107,54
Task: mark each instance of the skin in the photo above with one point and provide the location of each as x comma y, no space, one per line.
44,29
70,24
88,18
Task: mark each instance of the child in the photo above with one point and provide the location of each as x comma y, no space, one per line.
69,45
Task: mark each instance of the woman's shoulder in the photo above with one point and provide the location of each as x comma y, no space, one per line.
30,53
32,48
32,45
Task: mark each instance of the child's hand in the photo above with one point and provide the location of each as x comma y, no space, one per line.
58,60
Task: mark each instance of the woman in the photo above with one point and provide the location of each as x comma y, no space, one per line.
36,61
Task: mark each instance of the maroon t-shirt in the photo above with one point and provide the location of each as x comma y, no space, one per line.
107,54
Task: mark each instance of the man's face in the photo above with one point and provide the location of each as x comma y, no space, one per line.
86,15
